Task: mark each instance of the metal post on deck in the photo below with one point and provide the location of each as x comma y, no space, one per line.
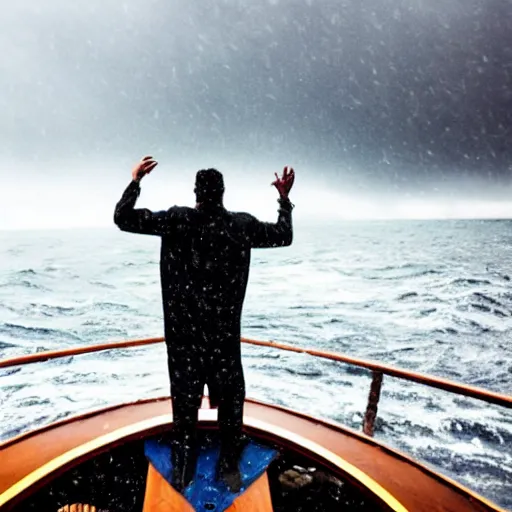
373,401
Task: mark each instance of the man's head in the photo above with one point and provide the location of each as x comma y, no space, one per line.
209,186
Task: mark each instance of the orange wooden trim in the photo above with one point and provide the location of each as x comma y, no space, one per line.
412,482
396,454
162,497
435,382
150,425
313,448
255,499
55,354
428,380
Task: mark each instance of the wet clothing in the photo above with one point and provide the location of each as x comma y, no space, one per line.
204,268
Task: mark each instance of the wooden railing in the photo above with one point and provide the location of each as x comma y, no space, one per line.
378,371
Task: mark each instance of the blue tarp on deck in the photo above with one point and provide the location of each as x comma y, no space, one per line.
205,489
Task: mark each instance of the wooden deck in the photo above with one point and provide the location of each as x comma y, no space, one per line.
30,460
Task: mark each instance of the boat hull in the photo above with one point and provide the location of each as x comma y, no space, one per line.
32,460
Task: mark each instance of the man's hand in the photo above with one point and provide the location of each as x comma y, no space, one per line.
285,183
145,166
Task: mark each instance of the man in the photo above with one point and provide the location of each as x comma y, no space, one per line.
204,267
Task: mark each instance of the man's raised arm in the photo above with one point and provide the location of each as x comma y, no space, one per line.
280,233
141,220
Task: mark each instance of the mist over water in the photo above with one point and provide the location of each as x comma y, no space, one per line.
377,102
92,204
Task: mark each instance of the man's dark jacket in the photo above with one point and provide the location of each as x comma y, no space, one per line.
204,264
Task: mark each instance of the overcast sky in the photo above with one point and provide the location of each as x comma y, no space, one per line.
368,100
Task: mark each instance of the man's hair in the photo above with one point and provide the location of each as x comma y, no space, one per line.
209,186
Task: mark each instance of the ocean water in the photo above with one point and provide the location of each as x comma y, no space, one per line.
432,296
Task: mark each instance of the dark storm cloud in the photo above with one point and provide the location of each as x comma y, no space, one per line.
396,91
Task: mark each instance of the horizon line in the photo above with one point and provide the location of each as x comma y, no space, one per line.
313,219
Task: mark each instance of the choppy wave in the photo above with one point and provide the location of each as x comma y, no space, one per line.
469,430
439,303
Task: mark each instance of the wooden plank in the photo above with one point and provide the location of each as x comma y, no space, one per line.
255,499
162,497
